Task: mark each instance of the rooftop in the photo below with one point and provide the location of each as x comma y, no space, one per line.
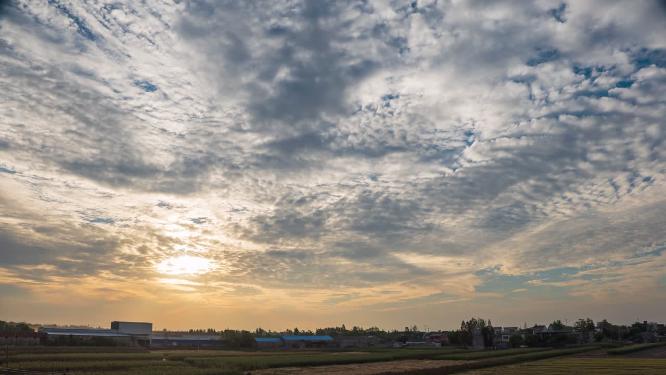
82,332
268,339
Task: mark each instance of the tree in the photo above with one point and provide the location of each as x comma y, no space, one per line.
516,341
531,340
467,329
15,327
557,325
584,325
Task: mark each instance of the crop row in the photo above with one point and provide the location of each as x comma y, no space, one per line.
634,348
592,366
261,362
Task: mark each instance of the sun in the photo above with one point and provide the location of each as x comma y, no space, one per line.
184,265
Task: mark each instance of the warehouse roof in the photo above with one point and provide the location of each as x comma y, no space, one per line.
82,332
186,337
271,340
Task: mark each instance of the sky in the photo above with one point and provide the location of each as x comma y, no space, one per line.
285,164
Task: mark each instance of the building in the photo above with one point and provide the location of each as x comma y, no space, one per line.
121,333
502,336
86,336
170,340
442,338
269,342
139,331
133,328
477,339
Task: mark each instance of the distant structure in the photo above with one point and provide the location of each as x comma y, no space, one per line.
502,337
269,342
132,328
121,333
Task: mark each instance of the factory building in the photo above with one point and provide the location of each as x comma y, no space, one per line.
269,342
132,328
121,333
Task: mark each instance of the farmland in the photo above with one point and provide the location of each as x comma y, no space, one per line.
592,366
200,361
377,361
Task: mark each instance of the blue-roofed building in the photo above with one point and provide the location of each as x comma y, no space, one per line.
269,342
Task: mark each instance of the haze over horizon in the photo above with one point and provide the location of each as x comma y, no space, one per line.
375,163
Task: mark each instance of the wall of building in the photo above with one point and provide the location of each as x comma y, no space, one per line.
133,328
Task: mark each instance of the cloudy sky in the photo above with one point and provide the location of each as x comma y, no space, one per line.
285,163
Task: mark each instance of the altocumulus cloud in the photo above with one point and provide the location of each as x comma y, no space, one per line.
409,153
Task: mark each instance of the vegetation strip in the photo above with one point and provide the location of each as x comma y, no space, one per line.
500,361
259,362
470,356
582,366
634,348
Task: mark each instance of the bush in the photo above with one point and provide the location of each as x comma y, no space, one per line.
516,341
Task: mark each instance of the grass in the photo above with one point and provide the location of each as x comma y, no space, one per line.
634,348
209,362
503,361
591,366
73,349
476,355
201,362
321,359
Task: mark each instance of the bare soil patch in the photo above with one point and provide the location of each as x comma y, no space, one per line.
392,367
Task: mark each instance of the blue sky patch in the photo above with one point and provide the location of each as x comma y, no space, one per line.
558,13
646,57
6,170
81,25
145,85
102,220
625,83
543,56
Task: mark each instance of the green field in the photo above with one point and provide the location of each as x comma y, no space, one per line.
635,348
592,366
203,362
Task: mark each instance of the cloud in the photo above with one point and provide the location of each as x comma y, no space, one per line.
418,153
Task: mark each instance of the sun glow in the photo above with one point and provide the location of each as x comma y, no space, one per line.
184,265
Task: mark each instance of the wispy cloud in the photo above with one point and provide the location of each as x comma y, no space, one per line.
373,156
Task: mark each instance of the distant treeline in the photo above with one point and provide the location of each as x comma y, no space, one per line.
601,331
12,327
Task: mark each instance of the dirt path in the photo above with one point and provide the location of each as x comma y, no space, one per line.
396,367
